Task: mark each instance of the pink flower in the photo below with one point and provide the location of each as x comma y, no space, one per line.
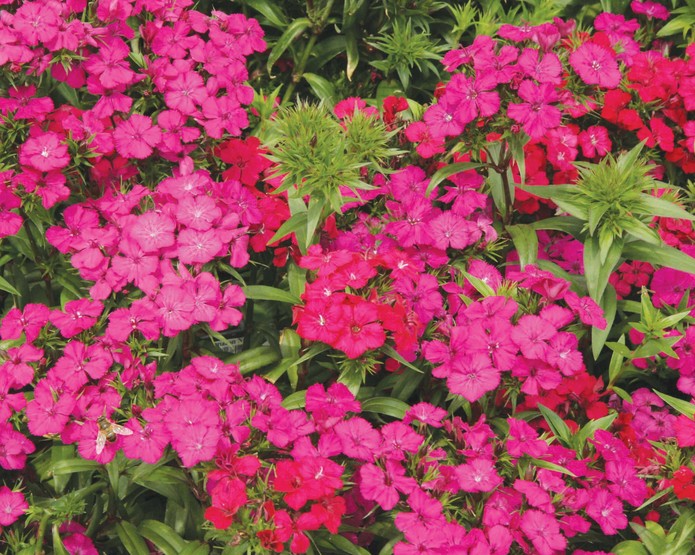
45,152
14,448
198,247
29,321
479,475
383,486
153,231
425,413
358,438
650,9
607,510
544,69
109,64
472,376
185,92
595,141
473,97
596,65
174,307
136,137
12,506
79,315
543,531
361,332
536,114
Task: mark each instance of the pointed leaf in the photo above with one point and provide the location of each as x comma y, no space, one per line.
447,171
7,286
391,352
552,466
296,400
661,255
267,293
684,407
271,11
526,243
322,88
656,206
387,406
557,425
131,539
590,428
291,34
296,223
352,51
609,303
162,536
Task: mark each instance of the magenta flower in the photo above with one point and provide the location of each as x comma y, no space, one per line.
479,475
12,506
384,485
473,97
537,115
545,68
79,315
543,531
174,307
153,231
136,137
361,332
45,152
14,448
358,439
607,510
472,376
596,65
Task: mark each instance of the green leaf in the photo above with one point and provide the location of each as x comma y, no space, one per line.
516,144
58,546
267,293
684,407
391,352
387,406
590,428
661,255
341,543
271,11
595,271
653,542
322,88
479,285
7,286
616,364
447,171
162,536
296,400
196,548
609,303
314,214
658,495
557,425
292,33
526,243
630,547
293,225
352,51
656,206
296,278
568,224
624,395
131,539
552,466
71,466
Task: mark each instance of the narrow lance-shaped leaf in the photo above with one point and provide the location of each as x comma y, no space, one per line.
292,33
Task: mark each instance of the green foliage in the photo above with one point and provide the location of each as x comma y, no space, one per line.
316,155
680,539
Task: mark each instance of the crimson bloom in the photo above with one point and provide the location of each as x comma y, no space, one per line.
536,114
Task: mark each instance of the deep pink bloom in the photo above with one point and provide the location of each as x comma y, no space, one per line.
478,475
384,485
544,68
474,97
79,315
136,137
358,439
607,510
44,152
153,231
543,531
596,65
361,332
536,114
12,505
472,376
29,321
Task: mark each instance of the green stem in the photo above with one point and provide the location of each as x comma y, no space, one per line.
299,70
38,259
43,523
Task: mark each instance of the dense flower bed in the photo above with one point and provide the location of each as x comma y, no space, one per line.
236,324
